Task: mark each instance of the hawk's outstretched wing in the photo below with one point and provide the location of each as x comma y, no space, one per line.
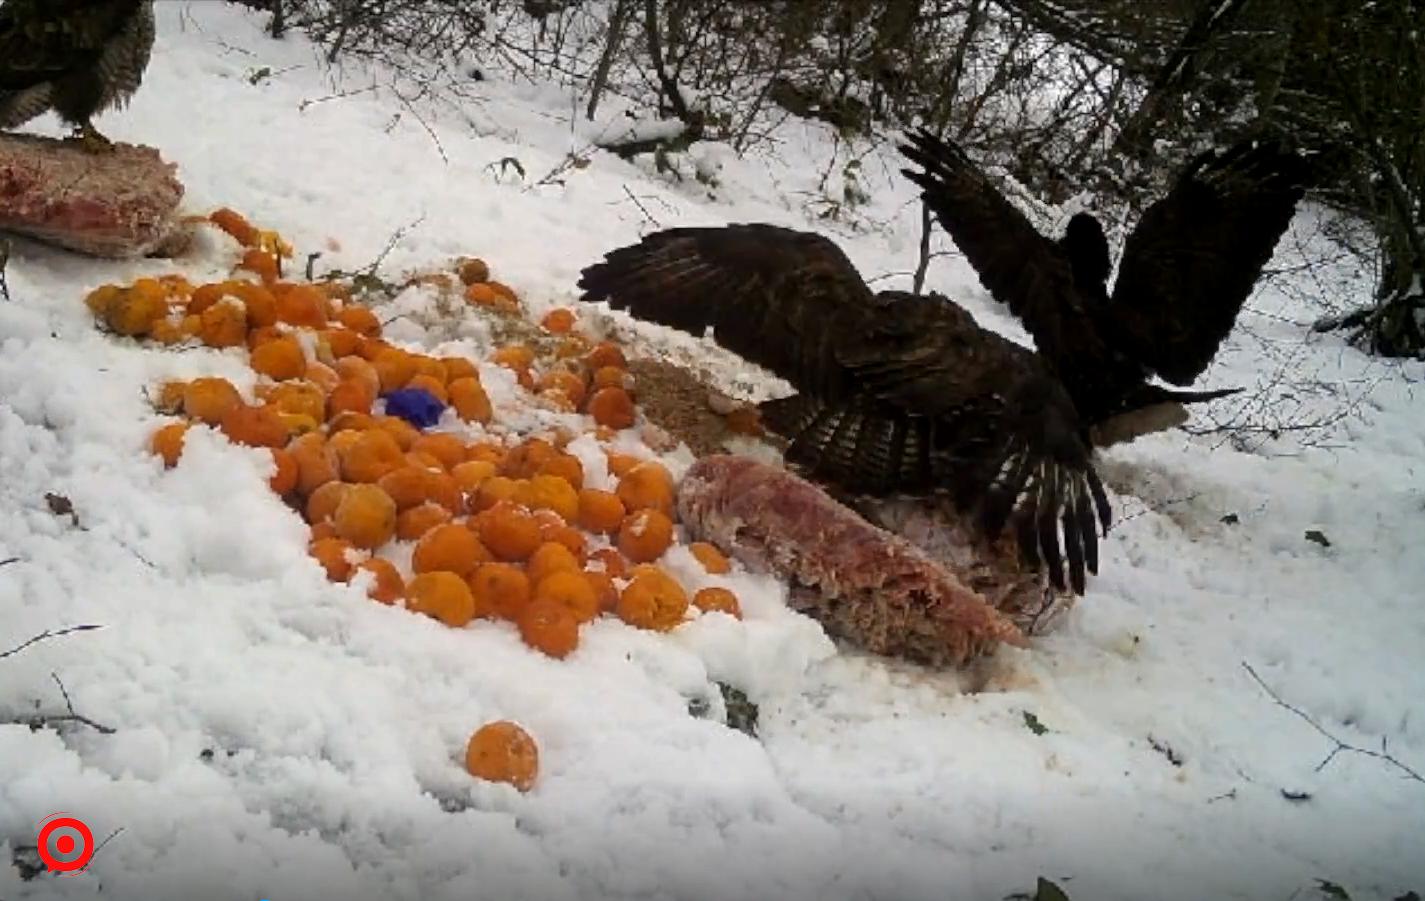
1021,268
1193,258
897,393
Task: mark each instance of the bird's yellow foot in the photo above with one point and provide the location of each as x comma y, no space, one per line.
90,140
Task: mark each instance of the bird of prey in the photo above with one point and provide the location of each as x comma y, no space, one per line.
1188,266
897,393
77,57
903,394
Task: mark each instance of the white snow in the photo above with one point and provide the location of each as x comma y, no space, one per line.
336,725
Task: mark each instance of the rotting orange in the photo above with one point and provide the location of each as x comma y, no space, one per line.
547,559
261,263
612,407
558,321
404,433
415,522
470,474
527,458
279,359
443,446
441,595
548,625
284,476
612,377
653,600
322,503
509,533
457,368
254,427
235,225
514,356
491,492
649,485
619,464
167,442
409,486
350,396
300,397
351,367
548,492
567,535
316,462
387,586
503,752
717,599
209,399
333,555
600,511
567,467
569,589
710,557
366,516
395,368
430,385
605,592
501,588
609,560
360,320
451,547
304,306
374,454
644,535
471,402
606,353
472,270
224,324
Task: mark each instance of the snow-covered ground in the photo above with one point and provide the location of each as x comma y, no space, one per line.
335,725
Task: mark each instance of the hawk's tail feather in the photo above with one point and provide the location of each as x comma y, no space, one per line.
1043,499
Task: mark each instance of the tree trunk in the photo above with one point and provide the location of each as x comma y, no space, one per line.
1177,76
618,22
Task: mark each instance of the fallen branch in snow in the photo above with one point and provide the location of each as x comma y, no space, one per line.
42,720
572,160
365,281
1341,746
4,261
641,208
46,634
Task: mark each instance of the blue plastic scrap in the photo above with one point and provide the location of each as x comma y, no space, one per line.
415,405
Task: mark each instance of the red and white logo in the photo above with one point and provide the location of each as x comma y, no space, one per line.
65,844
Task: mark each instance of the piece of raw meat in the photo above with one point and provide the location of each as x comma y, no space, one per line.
864,584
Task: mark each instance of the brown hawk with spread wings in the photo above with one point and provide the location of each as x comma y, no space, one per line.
897,393
77,57
1188,266
900,393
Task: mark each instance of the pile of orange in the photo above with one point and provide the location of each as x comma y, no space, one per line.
498,528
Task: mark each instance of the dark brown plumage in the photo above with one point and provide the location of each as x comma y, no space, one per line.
1187,268
897,393
77,57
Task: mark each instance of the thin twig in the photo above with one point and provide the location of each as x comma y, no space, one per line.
440,148
4,262
74,716
395,239
47,634
641,208
1340,745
